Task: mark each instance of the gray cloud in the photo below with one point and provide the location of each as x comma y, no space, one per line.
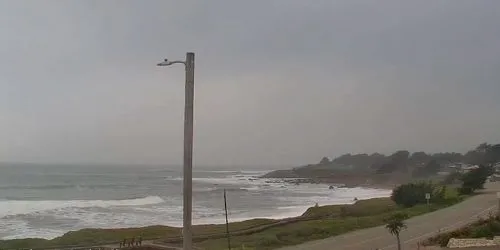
277,82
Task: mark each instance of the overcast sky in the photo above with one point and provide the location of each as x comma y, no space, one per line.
277,82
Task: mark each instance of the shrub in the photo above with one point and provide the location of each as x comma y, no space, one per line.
483,231
465,190
475,179
411,194
269,240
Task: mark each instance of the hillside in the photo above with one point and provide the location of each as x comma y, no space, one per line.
379,169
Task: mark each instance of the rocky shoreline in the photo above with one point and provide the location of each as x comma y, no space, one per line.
341,180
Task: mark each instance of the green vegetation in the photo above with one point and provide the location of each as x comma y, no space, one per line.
396,224
483,228
295,233
411,194
87,237
327,221
360,208
475,179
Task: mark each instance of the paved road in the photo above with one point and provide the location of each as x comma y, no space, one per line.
419,228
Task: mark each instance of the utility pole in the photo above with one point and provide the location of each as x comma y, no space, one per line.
187,235
227,222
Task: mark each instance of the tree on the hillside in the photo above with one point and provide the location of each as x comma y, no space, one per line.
359,161
475,179
324,161
448,157
479,155
483,147
420,158
386,168
474,157
395,224
429,169
492,154
395,162
400,157
484,154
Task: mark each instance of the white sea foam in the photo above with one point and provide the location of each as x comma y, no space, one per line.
253,172
15,207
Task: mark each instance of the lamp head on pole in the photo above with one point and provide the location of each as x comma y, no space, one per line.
164,63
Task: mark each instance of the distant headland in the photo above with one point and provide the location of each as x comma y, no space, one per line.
386,171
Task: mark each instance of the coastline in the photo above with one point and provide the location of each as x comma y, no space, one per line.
252,233
250,197
298,212
169,234
348,182
344,178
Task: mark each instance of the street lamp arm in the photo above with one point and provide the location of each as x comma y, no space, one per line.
168,63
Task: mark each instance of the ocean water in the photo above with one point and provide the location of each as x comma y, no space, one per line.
47,201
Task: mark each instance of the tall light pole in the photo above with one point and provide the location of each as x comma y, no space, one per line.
188,148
